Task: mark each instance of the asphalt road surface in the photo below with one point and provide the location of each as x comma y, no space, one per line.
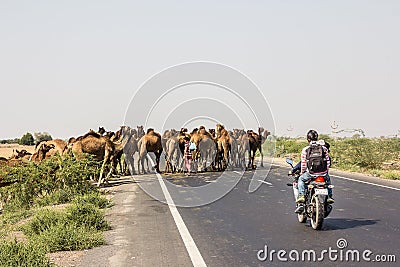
234,230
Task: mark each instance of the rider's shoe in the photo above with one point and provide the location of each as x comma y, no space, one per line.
301,199
299,209
330,200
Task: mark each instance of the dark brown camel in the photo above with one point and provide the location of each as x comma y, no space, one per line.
150,142
95,144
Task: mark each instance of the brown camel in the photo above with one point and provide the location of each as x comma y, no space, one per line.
224,147
41,151
262,136
150,142
59,147
23,154
244,147
256,143
206,148
195,138
95,144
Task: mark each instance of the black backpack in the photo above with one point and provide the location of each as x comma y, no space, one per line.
316,161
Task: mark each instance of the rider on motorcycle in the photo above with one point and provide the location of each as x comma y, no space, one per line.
312,137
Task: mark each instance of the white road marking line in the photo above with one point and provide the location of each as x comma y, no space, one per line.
364,182
264,182
194,253
238,172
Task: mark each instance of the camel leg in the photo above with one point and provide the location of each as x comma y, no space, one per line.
147,161
138,164
262,157
249,165
130,164
102,171
158,155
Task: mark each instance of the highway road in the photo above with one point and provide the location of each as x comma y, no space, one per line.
237,229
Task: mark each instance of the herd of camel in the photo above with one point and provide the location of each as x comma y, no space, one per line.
222,148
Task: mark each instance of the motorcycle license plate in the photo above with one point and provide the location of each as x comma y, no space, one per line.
319,191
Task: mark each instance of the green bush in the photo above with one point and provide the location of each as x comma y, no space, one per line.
77,227
60,196
95,198
8,218
286,146
13,253
87,215
353,154
42,221
67,176
61,237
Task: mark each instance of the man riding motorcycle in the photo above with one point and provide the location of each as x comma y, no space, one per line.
314,164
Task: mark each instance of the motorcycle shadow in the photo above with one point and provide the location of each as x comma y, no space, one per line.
331,224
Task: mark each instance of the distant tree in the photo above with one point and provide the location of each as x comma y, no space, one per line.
10,141
27,139
40,137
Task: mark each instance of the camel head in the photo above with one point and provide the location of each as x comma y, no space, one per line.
212,132
41,151
101,130
220,127
126,130
47,147
134,133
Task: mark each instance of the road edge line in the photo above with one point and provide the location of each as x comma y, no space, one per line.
364,182
191,248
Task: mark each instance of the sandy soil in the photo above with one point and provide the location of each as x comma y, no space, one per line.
6,150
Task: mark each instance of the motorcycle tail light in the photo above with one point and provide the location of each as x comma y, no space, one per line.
310,186
331,186
320,179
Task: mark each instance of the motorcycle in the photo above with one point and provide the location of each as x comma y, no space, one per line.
315,206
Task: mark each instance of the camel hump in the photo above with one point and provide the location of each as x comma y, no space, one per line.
90,133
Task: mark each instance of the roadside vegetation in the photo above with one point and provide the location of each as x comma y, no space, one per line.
49,207
376,156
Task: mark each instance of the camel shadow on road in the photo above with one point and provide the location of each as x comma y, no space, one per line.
331,224
119,181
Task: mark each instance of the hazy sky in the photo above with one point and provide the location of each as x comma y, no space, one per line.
68,66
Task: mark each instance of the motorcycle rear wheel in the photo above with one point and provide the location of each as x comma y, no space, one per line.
317,217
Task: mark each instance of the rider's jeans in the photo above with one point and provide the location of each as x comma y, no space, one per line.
307,176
